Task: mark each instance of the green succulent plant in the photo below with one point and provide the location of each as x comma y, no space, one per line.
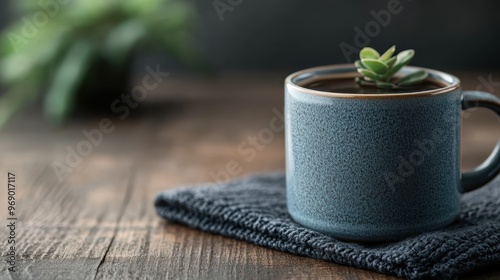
59,54
378,70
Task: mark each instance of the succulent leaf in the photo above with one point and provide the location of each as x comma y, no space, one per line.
368,53
365,82
358,64
388,54
376,66
413,78
385,85
403,58
390,62
369,73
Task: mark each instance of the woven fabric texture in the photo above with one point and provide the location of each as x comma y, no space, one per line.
254,209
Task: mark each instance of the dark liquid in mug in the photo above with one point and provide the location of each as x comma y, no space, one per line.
350,86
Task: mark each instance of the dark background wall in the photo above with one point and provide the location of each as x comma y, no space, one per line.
292,34
5,15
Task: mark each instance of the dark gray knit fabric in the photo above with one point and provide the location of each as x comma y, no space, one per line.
254,209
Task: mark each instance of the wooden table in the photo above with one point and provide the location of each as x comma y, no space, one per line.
99,221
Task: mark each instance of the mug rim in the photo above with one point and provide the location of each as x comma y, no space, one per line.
339,71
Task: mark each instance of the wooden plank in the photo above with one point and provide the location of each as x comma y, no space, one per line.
64,232
65,228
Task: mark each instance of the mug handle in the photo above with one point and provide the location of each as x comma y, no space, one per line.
488,170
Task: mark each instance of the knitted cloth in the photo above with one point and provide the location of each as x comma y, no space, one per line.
254,209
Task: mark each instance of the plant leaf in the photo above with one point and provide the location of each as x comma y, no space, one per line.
18,67
369,73
403,58
368,53
376,66
385,85
67,78
364,82
121,39
388,54
390,62
359,65
413,78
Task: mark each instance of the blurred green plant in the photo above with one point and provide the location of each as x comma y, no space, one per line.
378,70
64,43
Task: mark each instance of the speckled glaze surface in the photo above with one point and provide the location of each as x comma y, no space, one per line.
372,169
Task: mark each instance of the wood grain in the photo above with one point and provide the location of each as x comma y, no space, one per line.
99,222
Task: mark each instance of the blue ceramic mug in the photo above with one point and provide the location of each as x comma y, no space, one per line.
375,167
